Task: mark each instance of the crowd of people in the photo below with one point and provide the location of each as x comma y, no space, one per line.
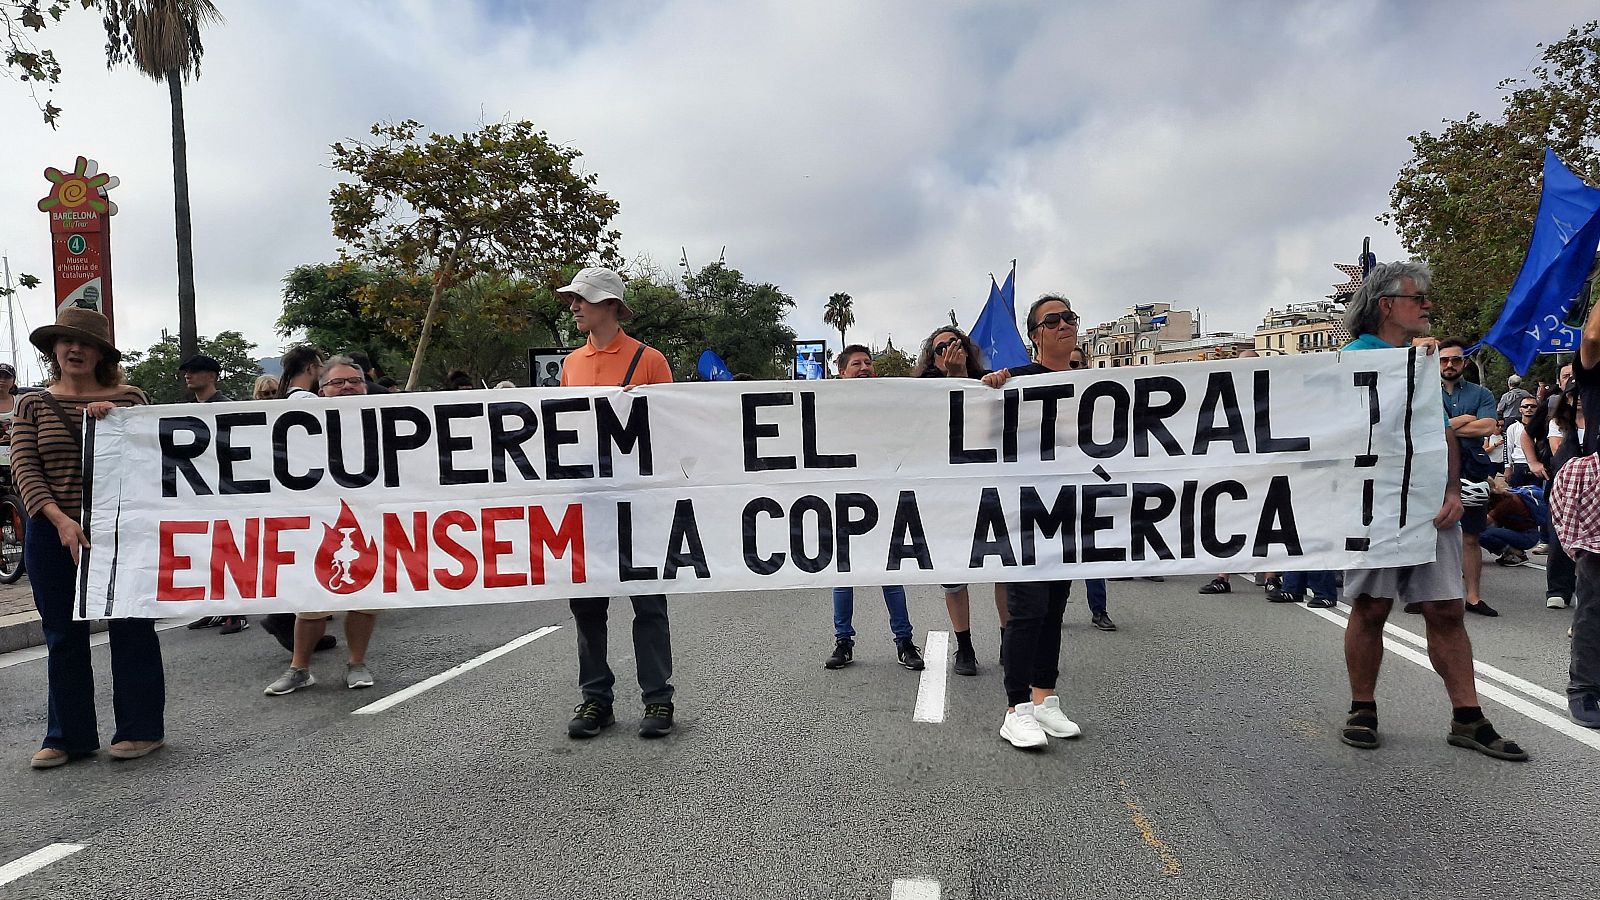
1494,503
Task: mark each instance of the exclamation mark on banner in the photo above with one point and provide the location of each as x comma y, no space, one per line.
1368,460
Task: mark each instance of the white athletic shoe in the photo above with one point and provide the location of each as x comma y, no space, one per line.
1022,729
1053,721
1555,603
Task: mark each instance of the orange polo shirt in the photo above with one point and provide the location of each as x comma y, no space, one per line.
591,366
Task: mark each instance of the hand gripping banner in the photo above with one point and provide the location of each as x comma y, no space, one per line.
1321,461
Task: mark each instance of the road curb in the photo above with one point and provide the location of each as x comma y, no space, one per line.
19,631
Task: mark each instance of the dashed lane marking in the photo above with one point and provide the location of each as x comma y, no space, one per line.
914,888
35,861
1494,692
930,690
433,681
99,639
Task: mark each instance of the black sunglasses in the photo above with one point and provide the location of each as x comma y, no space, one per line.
942,346
1076,364
1054,319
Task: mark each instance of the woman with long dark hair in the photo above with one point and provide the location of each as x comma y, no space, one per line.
47,464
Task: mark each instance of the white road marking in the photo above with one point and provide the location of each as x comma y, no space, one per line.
915,888
29,654
1537,713
40,858
434,681
930,691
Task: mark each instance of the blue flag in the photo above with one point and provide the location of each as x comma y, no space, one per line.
712,368
1566,233
996,331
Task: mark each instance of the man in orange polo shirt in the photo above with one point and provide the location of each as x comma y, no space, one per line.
609,357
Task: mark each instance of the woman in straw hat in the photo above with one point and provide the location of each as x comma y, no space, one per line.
47,465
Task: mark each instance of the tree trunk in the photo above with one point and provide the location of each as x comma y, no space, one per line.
841,340
439,284
188,333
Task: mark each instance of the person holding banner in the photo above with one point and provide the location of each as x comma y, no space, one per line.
1031,646
950,353
855,361
1391,310
341,377
47,465
610,357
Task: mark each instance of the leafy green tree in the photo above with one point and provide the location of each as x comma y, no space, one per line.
504,199
892,362
28,62
1466,200
744,322
156,369
161,39
839,313
333,305
488,330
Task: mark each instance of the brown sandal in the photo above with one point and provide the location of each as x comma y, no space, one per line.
1482,737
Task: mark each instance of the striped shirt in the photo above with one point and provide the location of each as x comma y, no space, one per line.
46,460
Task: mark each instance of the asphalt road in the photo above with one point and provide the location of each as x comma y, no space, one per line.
1210,766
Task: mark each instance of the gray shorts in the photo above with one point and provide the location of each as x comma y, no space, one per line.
1438,580
953,588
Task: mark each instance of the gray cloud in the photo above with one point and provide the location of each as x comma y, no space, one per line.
1219,155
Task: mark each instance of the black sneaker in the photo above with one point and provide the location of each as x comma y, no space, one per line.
657,721
1217,586
1321,603
910,656
589,717
1414,609
1103,622
1281,597
326,642
843,652
966,661
1273,583
1482,608
207,622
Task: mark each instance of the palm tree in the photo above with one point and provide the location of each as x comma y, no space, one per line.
839,314
161,38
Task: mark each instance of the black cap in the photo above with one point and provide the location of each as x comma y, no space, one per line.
201,363
9,369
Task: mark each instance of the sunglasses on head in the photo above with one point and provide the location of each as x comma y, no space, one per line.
942,346
1054,319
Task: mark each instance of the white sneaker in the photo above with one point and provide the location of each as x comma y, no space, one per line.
1022,729
1555,603
1053,721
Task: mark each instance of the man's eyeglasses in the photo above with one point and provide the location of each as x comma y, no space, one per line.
1420,298
1530,406
942,346
1054,319
1452,360
340,382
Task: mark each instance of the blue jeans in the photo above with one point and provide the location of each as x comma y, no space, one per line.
138,685
1496,539
844,609
1320,582
1096,588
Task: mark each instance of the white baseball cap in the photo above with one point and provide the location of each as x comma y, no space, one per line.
597,285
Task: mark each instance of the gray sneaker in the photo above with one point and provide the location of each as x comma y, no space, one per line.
357,676
291,681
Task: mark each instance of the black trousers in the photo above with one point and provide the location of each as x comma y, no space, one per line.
1033,637
652,648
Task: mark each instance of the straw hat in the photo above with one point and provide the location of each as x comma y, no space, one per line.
81,324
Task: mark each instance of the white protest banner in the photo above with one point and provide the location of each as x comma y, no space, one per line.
1302,462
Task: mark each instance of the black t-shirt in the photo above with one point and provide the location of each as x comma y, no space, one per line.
1033,368
1587,382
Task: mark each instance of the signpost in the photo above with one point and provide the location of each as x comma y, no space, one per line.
80,235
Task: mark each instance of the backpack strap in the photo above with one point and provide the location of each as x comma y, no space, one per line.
637,355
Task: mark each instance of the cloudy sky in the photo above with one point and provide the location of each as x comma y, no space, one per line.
1211,154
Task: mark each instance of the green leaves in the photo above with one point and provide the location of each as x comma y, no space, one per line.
156,369
1466,199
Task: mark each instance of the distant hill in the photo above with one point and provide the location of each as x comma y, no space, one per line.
272,365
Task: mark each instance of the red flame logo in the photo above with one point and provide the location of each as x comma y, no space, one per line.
346,559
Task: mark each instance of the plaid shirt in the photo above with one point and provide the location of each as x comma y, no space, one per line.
1575,504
